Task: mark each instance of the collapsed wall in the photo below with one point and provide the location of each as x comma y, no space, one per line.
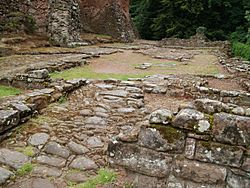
62,20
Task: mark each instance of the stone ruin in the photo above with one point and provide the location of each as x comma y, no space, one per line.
202,143
64,20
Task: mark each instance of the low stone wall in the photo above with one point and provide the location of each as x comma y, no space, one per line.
199,147
193,87
197,42
19,109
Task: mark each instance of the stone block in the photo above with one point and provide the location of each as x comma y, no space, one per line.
218,153
231,129
162,138
8,119
140,160
199,172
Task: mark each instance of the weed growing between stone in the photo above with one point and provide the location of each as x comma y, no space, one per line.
62,99
28,151
25,169
8,91
104,176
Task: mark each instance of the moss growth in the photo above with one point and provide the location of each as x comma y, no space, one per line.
8,91
206,144
103,177
169,133
28,151
25,169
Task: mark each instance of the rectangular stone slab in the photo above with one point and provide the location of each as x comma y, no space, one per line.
8,119
140,160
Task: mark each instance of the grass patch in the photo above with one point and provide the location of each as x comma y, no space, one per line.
28,151
8,91
62,99
25,169
241,50
86,72
104,176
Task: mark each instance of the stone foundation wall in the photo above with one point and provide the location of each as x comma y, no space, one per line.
21,108
197,41
195,148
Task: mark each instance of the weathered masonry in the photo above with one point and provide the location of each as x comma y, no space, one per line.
63,20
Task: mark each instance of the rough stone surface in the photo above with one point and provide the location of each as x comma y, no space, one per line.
94,142
8,119
4,175
246,165
51,161
116,13
140,160
13,159
64,22
34,183
77,148
167,139
239,111
236,181
83,163
129,134
188,119
38,139
232,129
162,116
96,121
190,148
56,149
77,177
46,171
218,153
210,106
200,172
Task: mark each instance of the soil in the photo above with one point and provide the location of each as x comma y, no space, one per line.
125,63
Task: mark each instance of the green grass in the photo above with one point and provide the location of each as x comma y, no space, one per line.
28,151
104,176
8,91
86,72
241,50
62,99
25,169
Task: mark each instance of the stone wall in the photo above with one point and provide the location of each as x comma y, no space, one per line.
61,20
198,147
16,9
196,41
109,17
